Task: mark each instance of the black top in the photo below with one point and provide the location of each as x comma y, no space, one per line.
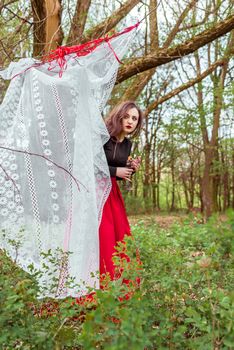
117,154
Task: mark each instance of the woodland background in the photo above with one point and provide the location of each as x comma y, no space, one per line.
179,70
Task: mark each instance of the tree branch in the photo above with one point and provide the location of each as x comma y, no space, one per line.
105,26
183,87
141,80
23,19
2,6
78,21
137,65
175,29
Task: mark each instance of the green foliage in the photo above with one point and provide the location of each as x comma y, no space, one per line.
185,299
19,327
188,284
137,204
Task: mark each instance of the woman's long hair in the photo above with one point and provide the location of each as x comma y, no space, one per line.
114,119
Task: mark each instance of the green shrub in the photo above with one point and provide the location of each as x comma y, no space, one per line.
185,299
20,329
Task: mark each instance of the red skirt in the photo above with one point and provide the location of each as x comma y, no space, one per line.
114,226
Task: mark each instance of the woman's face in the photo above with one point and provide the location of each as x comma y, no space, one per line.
130,120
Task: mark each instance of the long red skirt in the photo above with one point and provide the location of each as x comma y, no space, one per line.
114,226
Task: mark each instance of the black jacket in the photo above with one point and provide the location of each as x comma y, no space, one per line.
117,154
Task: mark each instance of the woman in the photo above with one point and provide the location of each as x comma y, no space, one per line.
124,120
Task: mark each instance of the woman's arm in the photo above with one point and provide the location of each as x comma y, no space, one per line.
124,173
113,170
121,172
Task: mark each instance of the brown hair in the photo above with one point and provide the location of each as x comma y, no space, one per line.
114,119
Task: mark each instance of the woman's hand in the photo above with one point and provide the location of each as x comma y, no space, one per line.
135,163
124,173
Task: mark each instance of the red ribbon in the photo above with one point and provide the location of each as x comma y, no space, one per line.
58,56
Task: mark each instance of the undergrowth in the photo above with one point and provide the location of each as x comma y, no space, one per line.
185,299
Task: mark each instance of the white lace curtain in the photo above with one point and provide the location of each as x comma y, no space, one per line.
54,178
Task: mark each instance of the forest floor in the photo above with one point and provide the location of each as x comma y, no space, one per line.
184,300
163,220
166,220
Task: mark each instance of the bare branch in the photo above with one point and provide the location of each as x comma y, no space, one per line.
183,87
2,6
175,29
105,26
142,79
142,64
78,21
77,182
23,19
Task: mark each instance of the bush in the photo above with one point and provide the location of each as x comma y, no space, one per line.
20,329
185,299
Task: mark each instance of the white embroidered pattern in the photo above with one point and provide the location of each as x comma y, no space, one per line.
54,178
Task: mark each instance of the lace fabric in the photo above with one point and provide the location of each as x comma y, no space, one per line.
54,178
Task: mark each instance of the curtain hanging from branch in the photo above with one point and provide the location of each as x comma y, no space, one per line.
54,178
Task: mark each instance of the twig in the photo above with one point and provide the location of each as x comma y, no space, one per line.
16,15
8,177
49,160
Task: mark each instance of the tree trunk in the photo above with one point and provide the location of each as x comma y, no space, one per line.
216,180
210,147
47,32
192,185
154,195
146,183
199,192
232,179
186,192
172,208
158,187
207,189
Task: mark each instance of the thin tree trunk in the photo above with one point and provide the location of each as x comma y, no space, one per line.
158,187
147,173
210,146
200,185
207,189
192,186
78,21
232,179
154,196
186,192
216,180
172,208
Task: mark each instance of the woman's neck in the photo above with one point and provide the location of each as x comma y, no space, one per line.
121,136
